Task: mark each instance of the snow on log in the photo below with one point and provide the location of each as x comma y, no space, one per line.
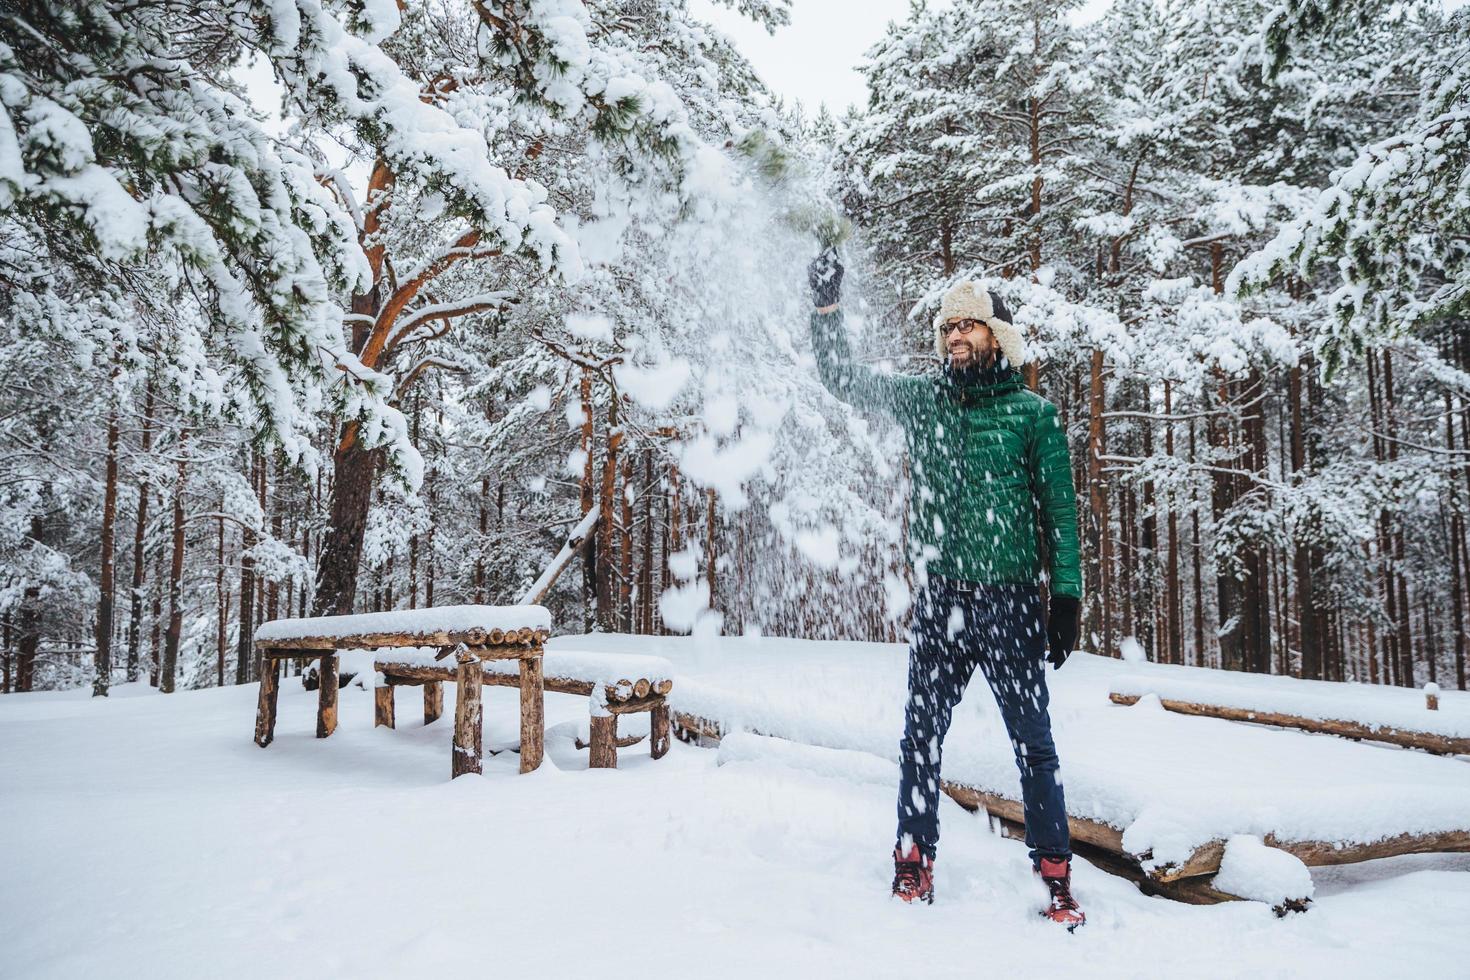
1429,742
1253,871
1358,710
438,626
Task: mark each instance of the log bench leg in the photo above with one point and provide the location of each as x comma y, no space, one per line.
433,701
383,705
265,712
604,744
326,708
658,731
467,718
533,714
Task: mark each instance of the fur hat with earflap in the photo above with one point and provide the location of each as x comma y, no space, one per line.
969,299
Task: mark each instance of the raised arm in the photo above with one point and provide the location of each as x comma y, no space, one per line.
856,384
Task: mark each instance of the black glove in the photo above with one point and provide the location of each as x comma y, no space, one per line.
1061,628
825,276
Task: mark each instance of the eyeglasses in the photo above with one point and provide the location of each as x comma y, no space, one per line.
963,326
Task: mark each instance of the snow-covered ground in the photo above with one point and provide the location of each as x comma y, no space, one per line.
148,836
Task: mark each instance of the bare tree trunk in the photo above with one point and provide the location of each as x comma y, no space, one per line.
28,642
155,658
102,679
1196,550
645,578
140,558
166,674
590,557
340,554
1173,598
1457,570
607,602
709,549
1097,521
1311,645
221,606
247,590
625,551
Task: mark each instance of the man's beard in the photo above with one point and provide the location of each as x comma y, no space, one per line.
977,359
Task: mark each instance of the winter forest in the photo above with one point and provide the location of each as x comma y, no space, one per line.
317,307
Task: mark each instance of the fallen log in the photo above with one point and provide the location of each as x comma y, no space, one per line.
1427,741
622,741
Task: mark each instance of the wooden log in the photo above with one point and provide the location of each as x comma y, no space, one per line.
501,651
604,742
533,715
467,718
624,741
663,687
621,691
383,706
1428,741
326,707
641,687
692,728
422,674
265,711
658,728
634,706
1321,853
373,641
1092,831
433,701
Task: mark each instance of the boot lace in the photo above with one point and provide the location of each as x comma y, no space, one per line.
906,876
1061,894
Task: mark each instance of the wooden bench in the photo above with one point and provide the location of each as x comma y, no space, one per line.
471,635
614,684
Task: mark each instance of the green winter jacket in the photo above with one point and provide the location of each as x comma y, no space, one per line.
988,460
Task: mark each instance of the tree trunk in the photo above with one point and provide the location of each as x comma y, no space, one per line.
354,470
140,558
607,602
28,640
247,592
1173,596
590,558
1097,518
102,679
625,550
645,578
166,674
1311,645
221,607
1196,552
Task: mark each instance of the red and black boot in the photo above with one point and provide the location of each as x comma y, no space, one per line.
913,875
1063,907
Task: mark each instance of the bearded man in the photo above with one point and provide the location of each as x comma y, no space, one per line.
991,477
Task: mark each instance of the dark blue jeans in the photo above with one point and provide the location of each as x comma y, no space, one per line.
998,628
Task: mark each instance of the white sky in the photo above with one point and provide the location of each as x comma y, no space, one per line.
814,58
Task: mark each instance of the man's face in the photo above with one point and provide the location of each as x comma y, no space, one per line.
975,348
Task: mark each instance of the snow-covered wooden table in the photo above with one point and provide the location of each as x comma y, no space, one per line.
614,684
473,635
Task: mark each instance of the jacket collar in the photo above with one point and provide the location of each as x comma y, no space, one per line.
969,385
